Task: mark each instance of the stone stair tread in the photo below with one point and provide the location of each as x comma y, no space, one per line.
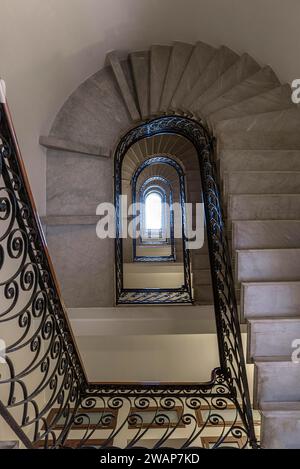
276,380
277,319
261,182
259,160
159,62
270,207
201,277
268,250
267,264
119,73
283,120
273,100
272,337
140,62
179,58
278,407
259,83
259,140
221,61
270,299
283,359
244,67
200,58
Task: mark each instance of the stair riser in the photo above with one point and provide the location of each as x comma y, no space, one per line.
285,120
273,338
200,58
159,62
277,207
179,59
201,261
265,234
268,265
238,72
280,432
141,72
277,382
261,183
222,60
270,300
203,294
255,160
275,100
259,141
121,72
201,277
259,83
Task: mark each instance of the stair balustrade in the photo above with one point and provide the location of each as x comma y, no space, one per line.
46,398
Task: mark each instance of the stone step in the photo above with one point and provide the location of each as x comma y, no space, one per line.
267,265
175,145
203,295
280,425
244,67
120,75
272,337
200,261
190,163
269,207
222,60
194,193
277,380
261,82
201,277
180,56
130,162
135,154
69,146
194,177
274,100
156,143
284,120
259,140
140,62
265,234
259,160
200,58
270,299
159,63
261,182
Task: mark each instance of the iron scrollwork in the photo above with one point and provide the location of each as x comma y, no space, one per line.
43,371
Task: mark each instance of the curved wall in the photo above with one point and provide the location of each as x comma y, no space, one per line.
48,48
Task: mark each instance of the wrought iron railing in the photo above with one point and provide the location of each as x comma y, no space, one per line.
45,395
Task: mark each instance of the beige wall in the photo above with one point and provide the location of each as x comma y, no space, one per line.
168,358
48,47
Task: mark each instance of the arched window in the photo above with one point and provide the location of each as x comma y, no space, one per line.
153,212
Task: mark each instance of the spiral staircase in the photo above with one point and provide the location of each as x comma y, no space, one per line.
255,124
255,127
179,148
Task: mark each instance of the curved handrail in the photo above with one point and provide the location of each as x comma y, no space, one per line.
46,388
